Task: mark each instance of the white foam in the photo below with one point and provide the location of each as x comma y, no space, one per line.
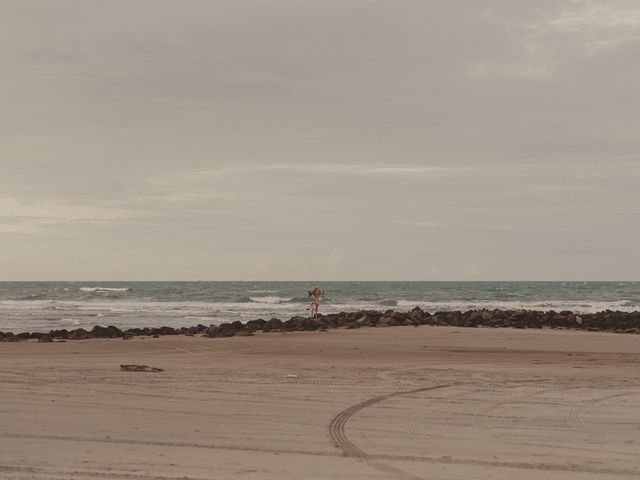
70,321
104,289
272,300
578,306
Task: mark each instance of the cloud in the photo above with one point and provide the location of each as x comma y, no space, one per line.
598,14
488,227
539,69
320,168
19,229
549,40
35,216
233,183
418,223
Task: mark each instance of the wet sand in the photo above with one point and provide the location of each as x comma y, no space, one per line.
372,403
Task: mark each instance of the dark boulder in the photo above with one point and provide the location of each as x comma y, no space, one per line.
273,324
237,325
295,324
368,320
62,334
164,331
198,329
418,315
222,330
331,321
106,332
79,334
244,333
386,321
253,325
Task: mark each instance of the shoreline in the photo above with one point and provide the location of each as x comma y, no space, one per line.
605,321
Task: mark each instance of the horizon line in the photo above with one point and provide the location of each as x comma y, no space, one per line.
325,280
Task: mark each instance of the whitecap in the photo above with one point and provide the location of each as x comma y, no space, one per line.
272,300
104,289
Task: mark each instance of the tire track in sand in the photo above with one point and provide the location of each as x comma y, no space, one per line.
574,417
339,438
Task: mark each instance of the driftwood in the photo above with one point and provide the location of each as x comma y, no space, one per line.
140,368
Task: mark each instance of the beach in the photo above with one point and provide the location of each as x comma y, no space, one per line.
371,403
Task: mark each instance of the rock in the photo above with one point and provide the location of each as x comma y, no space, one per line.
79,334
330,321
386,321
253,325
63,334
244,333
211,329
222,330
273,324
166,331
418,314
367,321
6,336
44,339
106,332
198,329
297,323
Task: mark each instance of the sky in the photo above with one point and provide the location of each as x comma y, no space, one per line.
319,140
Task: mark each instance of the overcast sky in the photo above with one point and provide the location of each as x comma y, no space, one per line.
320,139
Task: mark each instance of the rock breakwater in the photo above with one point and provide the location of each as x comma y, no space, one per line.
609,321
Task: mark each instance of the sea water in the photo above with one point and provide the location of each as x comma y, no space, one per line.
42,306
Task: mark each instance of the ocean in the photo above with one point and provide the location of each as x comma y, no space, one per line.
42,306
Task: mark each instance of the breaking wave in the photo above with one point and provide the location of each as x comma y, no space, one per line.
104,289
272,300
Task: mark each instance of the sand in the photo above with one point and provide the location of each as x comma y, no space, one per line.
373,403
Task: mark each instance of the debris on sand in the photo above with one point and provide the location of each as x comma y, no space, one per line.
140,368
